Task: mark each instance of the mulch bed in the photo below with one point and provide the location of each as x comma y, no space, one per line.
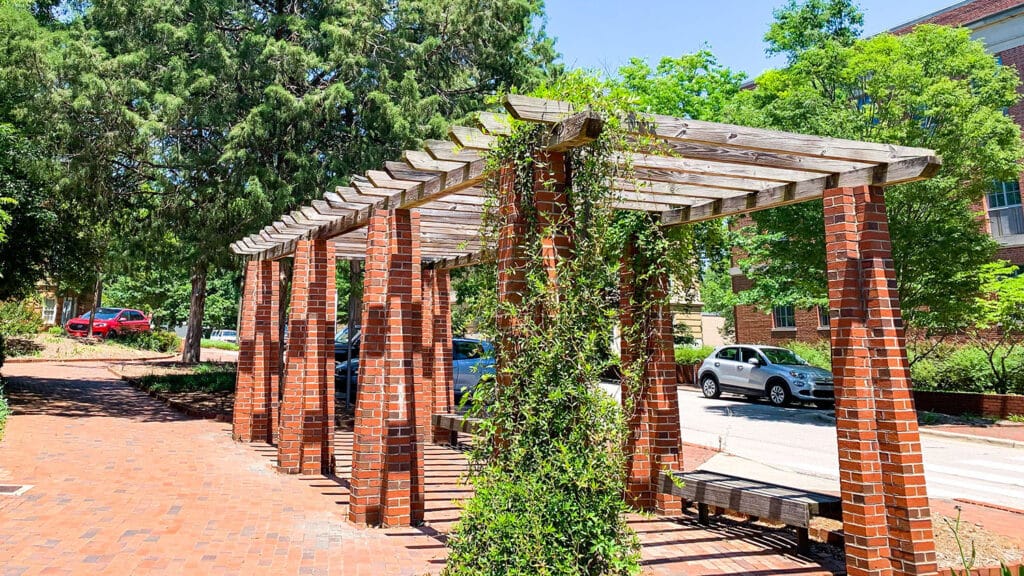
217,406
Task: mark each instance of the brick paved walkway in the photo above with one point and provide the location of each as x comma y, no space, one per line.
123,485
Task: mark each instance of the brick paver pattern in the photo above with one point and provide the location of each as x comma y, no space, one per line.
124,485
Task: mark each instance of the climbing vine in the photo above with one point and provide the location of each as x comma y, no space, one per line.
548,468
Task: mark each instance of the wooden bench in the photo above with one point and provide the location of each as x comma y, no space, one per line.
754,498
454,423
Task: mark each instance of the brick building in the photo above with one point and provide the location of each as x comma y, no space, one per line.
1000,25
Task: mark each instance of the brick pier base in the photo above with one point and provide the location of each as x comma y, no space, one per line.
437,378
306,444
654,442
387,460
886,519
259,348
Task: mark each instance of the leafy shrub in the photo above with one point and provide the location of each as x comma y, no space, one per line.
218,344
156,340
5,410
817,354
17,318
690,355
967,369
205,377
55,331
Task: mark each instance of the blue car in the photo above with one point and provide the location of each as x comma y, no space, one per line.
471,359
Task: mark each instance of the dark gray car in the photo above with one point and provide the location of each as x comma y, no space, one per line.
756,371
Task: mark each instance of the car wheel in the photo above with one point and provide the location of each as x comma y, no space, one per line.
709,387
778,393
110,335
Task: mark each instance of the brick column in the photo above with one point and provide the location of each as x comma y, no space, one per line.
886,517
654,442
256,390
437,348
306,443
550,182
387,457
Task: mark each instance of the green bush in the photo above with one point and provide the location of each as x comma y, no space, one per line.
817,354
17,318
5,410
205,377
156,340
966,369
691,355
218,344
55,331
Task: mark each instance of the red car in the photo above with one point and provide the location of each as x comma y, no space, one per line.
109,323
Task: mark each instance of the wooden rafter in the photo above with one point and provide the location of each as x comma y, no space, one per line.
687,170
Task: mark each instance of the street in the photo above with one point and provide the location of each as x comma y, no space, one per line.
799,445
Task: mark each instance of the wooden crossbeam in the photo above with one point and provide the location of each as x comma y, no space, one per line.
496,124
899,172
743,137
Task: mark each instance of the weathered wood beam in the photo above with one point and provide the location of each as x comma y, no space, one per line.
577,130
492,123
896,173
712,133
712,168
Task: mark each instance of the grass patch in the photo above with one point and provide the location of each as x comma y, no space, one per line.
205,377
218,344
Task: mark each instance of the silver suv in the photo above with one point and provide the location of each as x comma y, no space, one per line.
756,371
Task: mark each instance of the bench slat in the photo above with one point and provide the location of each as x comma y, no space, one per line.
761,499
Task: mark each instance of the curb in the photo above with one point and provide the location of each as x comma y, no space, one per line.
187,409
59,360
973,438
925,431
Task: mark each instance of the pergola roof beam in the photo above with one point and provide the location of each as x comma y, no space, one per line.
682,129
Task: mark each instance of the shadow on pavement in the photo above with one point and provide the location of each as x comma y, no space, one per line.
84,397
762,411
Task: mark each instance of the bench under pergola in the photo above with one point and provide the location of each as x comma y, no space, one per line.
415,219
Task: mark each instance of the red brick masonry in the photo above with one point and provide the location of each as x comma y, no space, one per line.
957,403
885,504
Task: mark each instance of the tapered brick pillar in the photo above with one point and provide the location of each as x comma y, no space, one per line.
437,349
306,443
886,518
256,389
654,441
554,213
387,464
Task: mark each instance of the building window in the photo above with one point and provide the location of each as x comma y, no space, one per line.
784,317
49,311
822,316
1005,215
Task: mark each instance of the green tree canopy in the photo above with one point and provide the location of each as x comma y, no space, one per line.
934,88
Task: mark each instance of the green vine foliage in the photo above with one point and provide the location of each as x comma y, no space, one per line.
548,468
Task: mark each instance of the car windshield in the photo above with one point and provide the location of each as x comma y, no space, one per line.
228,333
783,356
341,337
104,313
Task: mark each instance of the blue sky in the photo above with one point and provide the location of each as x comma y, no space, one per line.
604,34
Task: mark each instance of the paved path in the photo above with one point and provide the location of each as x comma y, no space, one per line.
798,441
122,485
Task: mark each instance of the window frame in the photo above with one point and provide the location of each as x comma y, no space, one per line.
1003,206
783,312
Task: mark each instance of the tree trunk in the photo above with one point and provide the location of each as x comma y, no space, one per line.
97,300
196,309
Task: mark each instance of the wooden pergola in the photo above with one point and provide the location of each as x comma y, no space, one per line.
701,171
415,219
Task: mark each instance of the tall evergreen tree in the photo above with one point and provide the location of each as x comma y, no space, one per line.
258,105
